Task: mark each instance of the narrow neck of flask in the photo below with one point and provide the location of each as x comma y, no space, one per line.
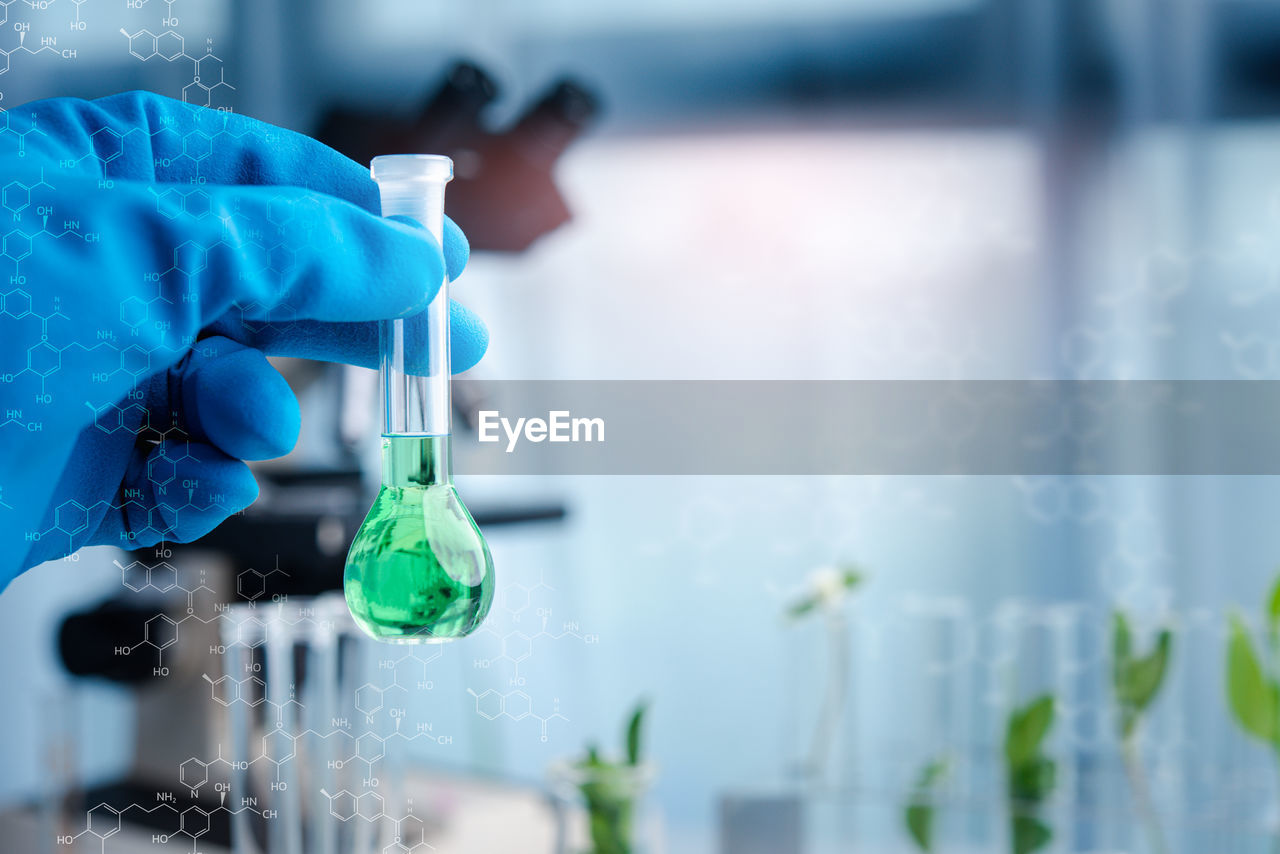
416,461
414,351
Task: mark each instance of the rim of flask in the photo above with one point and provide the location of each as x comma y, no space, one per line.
411,167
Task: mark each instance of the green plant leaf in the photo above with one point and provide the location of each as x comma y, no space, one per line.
1273,611
1121,647
850,577
1032,781
802,607
633,733
1147,674
1136,680
1140,679
1274,691
1029,834
933,773
1027,728
920,809
1031,774
919,819
1251,695
1121,662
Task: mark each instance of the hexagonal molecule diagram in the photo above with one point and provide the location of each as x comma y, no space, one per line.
197,146
370,747
107,143
189,257
161,631
142,44
515,598
278,746
489,705
169,45
103,821
17,245
342,806
516,646
164,577
170,204
518,705
17,304
71,517
16,196
194,822
44,358
251,584
368,698
369,806
193,773
225,690
136,576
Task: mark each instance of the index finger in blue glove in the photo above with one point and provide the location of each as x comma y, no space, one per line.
356,343
457,249
142,136
270,252
263,254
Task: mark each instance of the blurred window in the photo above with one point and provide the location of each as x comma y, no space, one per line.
404,19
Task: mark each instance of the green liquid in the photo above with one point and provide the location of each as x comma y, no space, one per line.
419,570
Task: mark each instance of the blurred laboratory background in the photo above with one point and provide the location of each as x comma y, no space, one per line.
718,190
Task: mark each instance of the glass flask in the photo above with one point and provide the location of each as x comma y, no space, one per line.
419,570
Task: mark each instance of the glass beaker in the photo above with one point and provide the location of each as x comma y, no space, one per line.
602,809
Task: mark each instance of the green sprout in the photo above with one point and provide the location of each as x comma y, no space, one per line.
1031,774
1253,680
609,791
921,808
829,588
1136,680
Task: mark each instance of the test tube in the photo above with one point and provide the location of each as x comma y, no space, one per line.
419,569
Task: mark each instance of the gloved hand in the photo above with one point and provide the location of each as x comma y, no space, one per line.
153,253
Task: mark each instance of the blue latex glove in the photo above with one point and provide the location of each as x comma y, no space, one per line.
153,253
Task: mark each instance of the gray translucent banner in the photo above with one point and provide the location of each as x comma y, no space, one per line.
866,428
